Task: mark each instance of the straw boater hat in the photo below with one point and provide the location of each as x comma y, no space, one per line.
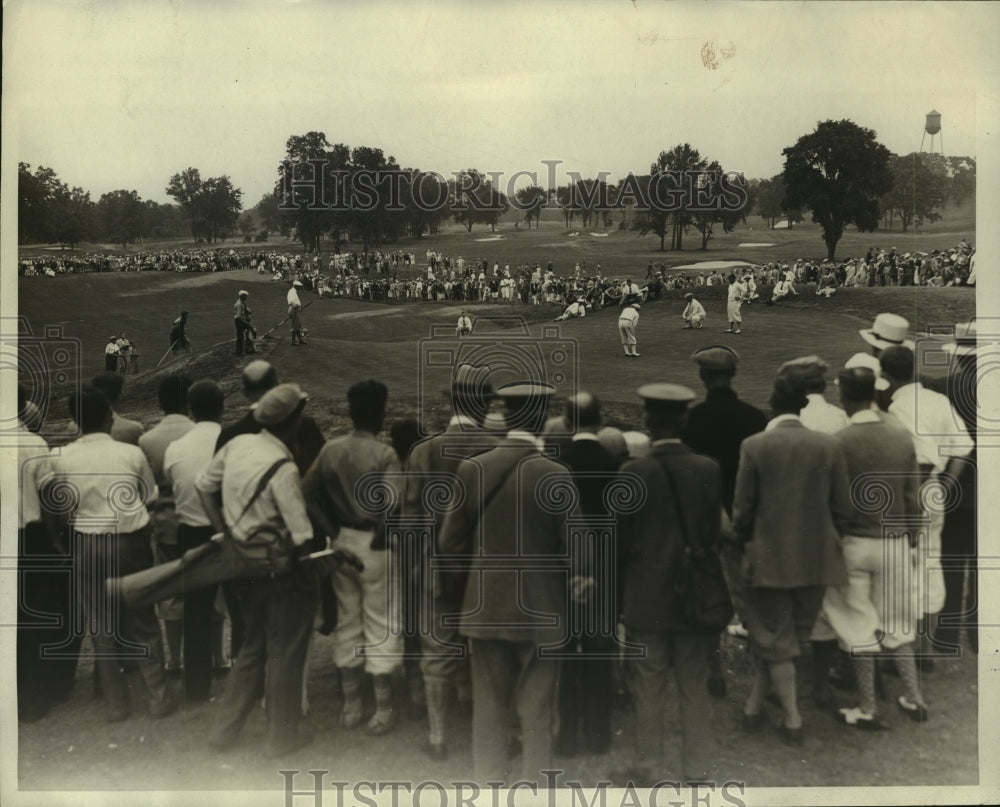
888,330
965,343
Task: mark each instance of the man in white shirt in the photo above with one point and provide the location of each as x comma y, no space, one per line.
111,351
279,610
694,312
107,485
941,441
628,321
464,326
734,302
818,415
294,307
183,460
41,589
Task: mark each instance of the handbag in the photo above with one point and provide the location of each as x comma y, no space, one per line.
699,582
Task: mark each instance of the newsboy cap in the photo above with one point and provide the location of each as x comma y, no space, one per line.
278,403
809,368
716,357
663,393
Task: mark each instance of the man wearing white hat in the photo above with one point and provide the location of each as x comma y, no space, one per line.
628,321
241,319
294,307
252,485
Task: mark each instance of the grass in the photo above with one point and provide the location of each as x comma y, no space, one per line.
351,340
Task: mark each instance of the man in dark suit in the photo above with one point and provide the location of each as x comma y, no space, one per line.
433,462
513,604
585,682
682,507
717,427
791,506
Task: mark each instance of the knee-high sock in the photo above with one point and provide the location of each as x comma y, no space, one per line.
436,691
783,677
864,672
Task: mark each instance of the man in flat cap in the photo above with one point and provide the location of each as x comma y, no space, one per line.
251,485
682,508
717,427
509,613
818,415
432,460
628,321
294,307
241,319
821,416
790,517
258,377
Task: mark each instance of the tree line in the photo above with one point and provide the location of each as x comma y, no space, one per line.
839,174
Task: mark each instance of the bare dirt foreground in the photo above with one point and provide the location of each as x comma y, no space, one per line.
72,749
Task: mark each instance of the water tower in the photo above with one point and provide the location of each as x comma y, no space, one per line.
932,127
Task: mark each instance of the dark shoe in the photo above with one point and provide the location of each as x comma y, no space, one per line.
381,723
302,739
823,699
436,751
165,707
717,687
117,716
754,723
856,718
792,737
917,713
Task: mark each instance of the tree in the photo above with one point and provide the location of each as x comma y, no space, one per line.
307,201
247,226
917,191
474,200
530,201
213,205
73,216
770,195
122,216
839,172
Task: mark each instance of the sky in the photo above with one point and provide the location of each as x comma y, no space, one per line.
125,94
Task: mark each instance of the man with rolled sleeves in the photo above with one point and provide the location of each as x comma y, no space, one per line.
682,508
509,613
251,484
717,428
431,459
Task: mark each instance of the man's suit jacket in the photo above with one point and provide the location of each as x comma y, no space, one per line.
505,604
440,456
792,504
593,468
653,539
